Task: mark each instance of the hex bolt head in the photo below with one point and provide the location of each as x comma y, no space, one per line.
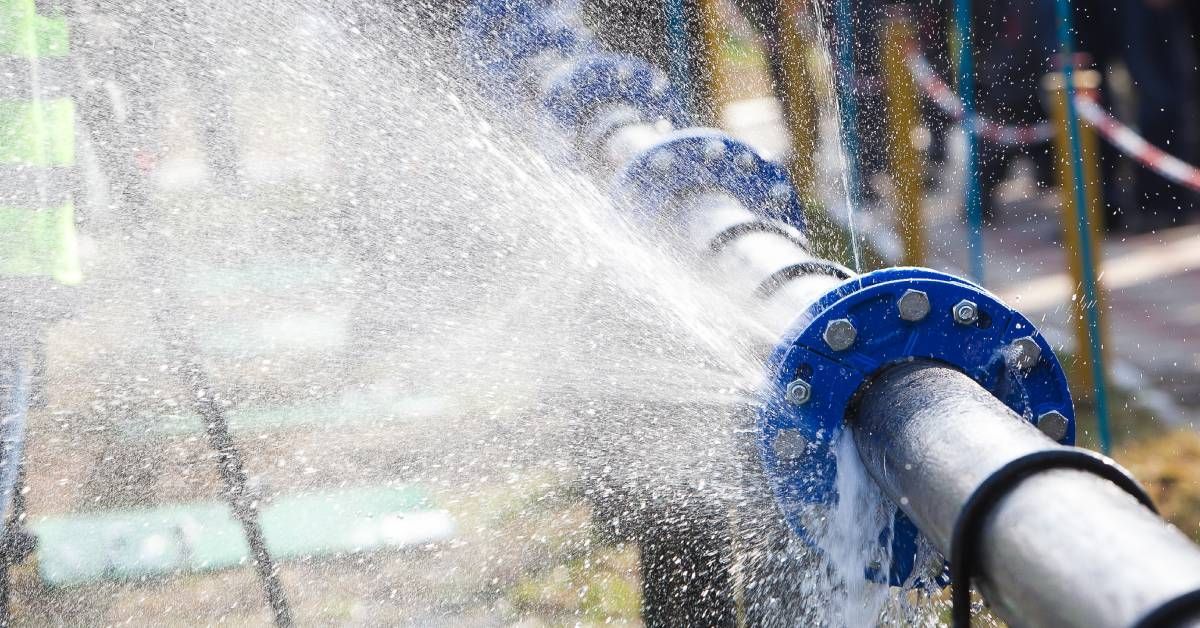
840,334
1025,353
662,161
1053,424
966,312
789,445
798,392
913,305
780,193
714,150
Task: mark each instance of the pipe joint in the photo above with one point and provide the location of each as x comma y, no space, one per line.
602,79
697,160
862,327
500,36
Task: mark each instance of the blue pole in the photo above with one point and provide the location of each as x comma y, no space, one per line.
966,92
678,63
848,117
1090,302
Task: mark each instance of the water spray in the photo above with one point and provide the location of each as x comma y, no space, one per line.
957,404
101,118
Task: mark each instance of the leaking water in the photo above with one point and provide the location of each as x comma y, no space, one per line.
390,284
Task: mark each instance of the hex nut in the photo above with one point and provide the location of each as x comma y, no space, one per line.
1053,424
798,392
714,150
840,334
663,161
966,312
913,305
1025,353
789,445
780,193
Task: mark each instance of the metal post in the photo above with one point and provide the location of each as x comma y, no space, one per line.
1082,256
714,85
904,120
1083,222
798,89
848,117
1065,548
966,90
679,60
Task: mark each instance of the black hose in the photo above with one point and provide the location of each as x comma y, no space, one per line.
107,133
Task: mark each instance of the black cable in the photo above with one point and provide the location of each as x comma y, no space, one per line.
964,543
108,134
815,267
1176,612
15,545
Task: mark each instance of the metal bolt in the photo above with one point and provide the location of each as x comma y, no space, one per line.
662,161
1025,353
966,312
913,305
935,567
840,334
1053,424
798,392
780,193
714,150
789,445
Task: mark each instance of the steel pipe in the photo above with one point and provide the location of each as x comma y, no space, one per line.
1065,548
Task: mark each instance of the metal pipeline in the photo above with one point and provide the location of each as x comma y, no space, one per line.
974,384
1065,548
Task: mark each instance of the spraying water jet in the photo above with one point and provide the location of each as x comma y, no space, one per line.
941,385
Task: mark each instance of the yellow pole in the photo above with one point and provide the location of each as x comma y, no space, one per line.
905,161
800,109
711,90
1087,82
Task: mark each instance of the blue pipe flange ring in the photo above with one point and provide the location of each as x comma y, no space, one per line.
501,34
698,159
605,78
876,320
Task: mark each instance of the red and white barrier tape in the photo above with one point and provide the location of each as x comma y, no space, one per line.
1129,142
948,102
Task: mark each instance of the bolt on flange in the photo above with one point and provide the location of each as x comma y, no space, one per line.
714,150
966,312
1025,353
913,305
840,334
789,445
780,193
1053,424
798,392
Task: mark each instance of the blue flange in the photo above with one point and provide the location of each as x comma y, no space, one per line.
499,35
699,159
990,342
599,79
